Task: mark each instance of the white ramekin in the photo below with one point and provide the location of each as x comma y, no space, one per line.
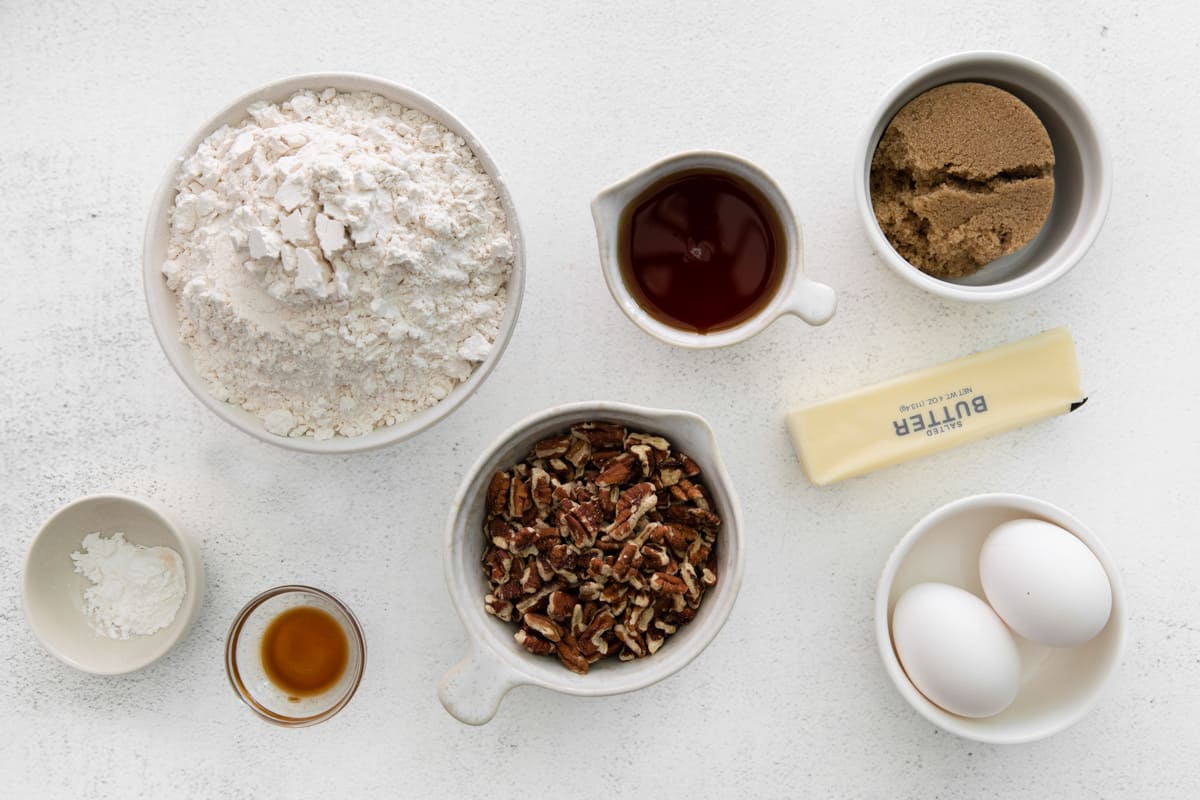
798,296
1058,686
163,305
52,592
472,690
1082,182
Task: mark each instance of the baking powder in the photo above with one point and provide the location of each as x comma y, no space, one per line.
136,590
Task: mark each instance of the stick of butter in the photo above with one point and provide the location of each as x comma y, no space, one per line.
937,408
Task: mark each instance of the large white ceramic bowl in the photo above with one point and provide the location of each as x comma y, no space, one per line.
53,592
472,690
163,306
1082,175
1058,685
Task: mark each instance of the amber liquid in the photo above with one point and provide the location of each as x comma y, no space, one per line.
701,250
304,652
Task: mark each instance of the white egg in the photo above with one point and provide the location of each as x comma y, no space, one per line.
1045,583
955,650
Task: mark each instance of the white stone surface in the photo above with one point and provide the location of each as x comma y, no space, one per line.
791,699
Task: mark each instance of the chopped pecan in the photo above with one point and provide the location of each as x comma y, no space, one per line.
547,538
646,456
574,529
679,536
509,590
608,544
645,618
499,532
697,553
632,642
579,452
602,622
543,625
690,468
497,564
624,561
551,447
695,494
569,655
695,517
560,605
522,540
563,557
534,644
518,498
531,581
540,488
601,435
601,458
654,442
669,473
618,470
688,573
612,593
497,607
561,470
530,602
632,505
668,584
497,493
655,555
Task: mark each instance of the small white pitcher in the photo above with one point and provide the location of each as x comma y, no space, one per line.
810,301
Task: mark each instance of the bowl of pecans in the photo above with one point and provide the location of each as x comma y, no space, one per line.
594,549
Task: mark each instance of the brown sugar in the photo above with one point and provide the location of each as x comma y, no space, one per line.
963,175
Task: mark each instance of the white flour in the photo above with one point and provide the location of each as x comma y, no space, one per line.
341,262
136,590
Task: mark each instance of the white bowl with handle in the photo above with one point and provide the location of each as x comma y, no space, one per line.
796,295
472,690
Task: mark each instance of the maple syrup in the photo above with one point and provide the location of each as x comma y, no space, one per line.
701,250
304,652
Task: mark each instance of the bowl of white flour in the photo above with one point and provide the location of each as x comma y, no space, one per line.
333,263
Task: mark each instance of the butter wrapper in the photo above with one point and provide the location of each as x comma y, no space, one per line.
938,408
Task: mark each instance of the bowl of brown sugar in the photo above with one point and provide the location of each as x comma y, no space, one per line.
982,177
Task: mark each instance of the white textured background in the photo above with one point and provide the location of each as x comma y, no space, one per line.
790,700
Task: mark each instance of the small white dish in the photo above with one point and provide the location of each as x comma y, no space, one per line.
1082,175
52,591
1058,686
812,302
162,302
472,690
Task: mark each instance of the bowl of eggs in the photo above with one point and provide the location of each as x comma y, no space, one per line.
1001,618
